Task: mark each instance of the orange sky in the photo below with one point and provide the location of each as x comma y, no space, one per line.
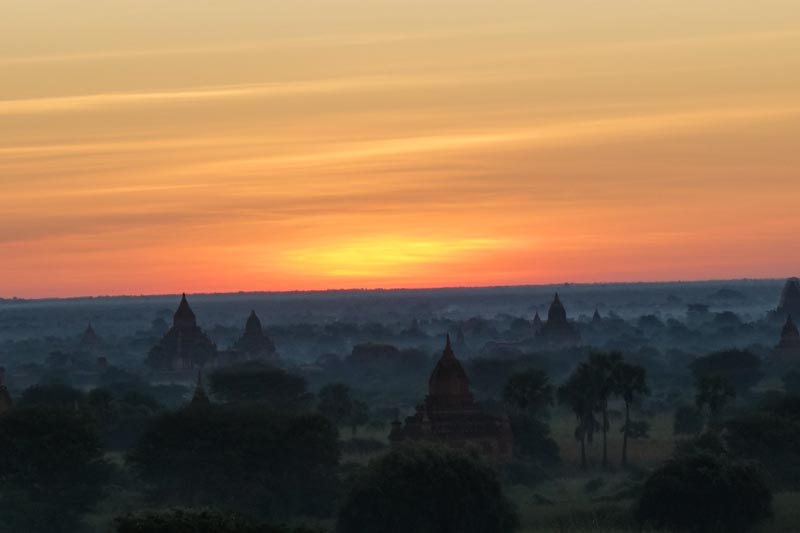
150,146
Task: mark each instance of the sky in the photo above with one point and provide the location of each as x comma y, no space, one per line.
158,147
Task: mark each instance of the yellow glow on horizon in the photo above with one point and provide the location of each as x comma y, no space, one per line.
247,145
384,256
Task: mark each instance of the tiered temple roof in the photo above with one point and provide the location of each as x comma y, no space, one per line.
253,344
449,414
558,330
185,346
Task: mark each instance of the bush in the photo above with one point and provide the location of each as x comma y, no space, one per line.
705,492
362,446
593,485
426,490
194,521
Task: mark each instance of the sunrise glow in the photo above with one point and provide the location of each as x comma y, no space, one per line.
255,145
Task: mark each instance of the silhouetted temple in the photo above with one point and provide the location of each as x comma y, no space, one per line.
596,318
449,415
90,341
184,346
557,330
789,344
200,398
537,322
253,344
790,299
5,398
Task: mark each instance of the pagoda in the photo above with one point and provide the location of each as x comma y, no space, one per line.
254,344
449,415
790,299
185,346
557,330
90,342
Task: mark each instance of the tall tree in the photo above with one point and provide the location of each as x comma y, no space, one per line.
603,369
714,392
630,381
580,395
528,394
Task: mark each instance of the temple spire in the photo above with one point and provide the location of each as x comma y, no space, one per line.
200,398
448,348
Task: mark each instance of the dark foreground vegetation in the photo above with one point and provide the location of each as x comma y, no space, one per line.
663,420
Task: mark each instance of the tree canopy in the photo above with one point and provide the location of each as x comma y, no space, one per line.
705,492
51,469
262,384
247,460
426,490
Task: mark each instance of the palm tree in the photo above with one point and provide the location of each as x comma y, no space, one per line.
630,381
579,394
602,367
714,392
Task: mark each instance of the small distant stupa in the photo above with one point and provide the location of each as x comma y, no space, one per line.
537,322
185,346
90,342
596,318
5,398
449,415
557,330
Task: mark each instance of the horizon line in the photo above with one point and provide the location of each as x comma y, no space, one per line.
386,289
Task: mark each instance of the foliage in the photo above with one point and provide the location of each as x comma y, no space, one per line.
529,392
52,470
532,440
260,384
636,429
335,402
705,492
770,436
715,393
739,368
688,420
54,395
426,490
791,382
121,418
247,460
580,395
194,521
630,381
